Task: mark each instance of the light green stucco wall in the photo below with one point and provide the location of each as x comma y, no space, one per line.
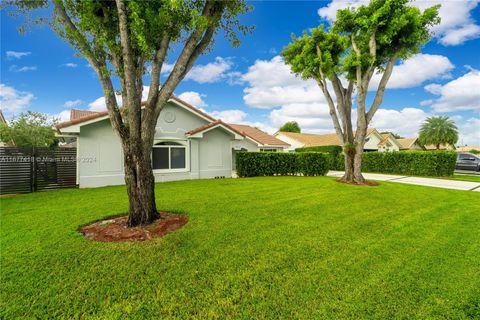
207,157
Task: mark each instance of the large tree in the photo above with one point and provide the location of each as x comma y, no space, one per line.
361,42
30,129
437,131
123,40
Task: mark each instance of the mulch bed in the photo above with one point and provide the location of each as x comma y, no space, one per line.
367,183
116,230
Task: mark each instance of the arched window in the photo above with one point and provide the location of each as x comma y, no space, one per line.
169,155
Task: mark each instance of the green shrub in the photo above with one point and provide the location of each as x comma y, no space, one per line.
415,163
334,155
313,163
334,150
252,164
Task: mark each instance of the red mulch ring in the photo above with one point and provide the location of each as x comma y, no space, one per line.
367,183
116,230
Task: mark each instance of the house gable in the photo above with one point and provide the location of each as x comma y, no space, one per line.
74,125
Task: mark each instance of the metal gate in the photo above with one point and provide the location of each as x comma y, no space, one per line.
24,170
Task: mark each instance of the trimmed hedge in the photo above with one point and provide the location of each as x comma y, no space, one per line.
252,164
334,150
334,155
415,163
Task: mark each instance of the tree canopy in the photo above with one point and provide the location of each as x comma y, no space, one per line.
127,43
345,56
290,126
437,131
30,129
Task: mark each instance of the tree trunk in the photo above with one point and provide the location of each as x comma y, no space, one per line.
140,188
353,165
349,159
357,165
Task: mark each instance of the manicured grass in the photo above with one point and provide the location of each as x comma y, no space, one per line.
273,247
463,177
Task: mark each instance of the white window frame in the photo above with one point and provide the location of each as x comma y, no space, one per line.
182,143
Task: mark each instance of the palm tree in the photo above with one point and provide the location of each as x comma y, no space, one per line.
438,130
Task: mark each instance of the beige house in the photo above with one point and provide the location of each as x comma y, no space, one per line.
374,141
410,144
257,140
442,147
468,149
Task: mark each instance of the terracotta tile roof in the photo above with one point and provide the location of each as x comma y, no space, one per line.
318,140
213,124
81,119
407,143
85,115
259,136
76,113
314,140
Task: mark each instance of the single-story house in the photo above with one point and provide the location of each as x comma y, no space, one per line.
257,140
442,147
188,144
468,149
374,140
410,144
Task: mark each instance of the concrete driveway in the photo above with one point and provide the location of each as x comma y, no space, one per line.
429,182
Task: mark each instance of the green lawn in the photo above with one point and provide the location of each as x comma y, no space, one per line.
274,247
462,177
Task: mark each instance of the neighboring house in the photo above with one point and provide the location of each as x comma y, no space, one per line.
442,147
374,141
410,144
468,149
257,140
188,144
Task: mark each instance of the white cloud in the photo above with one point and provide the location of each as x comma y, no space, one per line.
460,35
271,84
15,68
69,65
230,116
99,103
405,122
62,116
460,94
194,98
12,100
166,68
434,88
415,71
72,103
208,73
456,26
426,102
17,54
469,132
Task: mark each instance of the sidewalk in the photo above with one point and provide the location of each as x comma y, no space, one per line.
430,182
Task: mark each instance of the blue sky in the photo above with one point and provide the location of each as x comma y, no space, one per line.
251,84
